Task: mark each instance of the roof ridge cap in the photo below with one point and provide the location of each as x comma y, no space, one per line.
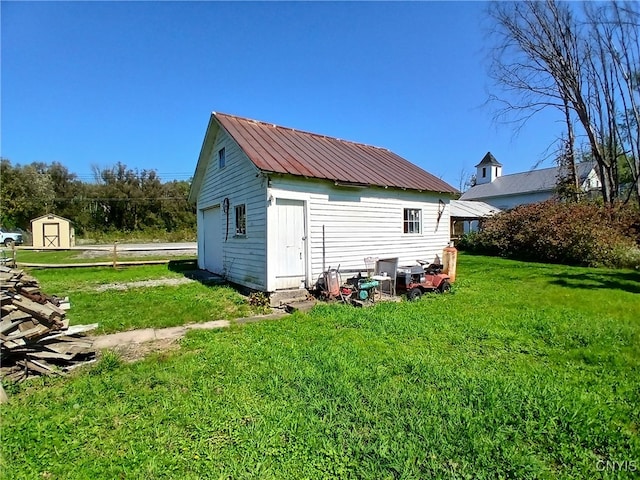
557,167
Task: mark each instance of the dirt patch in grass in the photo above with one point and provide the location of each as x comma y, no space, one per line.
98,253
159,282
132,352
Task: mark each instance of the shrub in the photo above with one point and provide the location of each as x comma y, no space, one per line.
571,233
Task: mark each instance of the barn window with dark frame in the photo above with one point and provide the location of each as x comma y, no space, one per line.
412,220
222,158
241,219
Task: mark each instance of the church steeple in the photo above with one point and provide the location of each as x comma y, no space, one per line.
488,169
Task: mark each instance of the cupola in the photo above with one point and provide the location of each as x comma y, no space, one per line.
488,169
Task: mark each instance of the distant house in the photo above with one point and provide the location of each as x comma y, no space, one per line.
508,191
277,206
466,215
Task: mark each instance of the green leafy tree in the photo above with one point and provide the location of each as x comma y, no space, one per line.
177,212
70,193
120,198
25,192
130,200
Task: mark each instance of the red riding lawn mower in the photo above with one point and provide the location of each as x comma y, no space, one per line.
419,279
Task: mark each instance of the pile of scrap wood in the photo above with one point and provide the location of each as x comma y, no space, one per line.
35,337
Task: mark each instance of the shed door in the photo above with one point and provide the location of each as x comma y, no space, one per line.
212,243
51,235
290,243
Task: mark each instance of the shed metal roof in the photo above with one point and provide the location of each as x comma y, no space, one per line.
527,182
277,149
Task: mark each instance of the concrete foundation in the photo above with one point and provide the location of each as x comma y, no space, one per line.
283,297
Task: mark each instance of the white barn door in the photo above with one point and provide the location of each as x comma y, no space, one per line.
212,240
290,244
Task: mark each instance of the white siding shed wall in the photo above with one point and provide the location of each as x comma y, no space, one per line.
362,222
243,256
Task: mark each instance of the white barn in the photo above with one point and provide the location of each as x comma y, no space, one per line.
277,206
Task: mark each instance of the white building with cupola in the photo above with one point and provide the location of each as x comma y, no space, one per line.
508,191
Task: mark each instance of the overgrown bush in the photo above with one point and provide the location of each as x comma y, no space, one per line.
587,234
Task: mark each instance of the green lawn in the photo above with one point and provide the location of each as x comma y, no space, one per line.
523,371
140,307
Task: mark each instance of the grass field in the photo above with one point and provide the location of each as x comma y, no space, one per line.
523,371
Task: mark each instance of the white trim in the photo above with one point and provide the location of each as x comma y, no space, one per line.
209,205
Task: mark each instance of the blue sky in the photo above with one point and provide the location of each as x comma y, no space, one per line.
95,83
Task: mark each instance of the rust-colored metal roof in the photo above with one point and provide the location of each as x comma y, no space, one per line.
288,151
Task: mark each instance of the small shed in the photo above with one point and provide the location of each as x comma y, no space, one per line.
53,231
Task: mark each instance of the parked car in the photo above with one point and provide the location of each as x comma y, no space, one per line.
8,238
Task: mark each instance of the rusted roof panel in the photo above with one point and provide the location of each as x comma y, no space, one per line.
284,150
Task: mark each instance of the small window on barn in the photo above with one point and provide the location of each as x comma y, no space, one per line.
241,219
484,171
412,220
222,159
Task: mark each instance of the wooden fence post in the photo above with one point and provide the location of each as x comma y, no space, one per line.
115,254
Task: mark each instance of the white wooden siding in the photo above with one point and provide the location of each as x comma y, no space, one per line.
506,202
363,222
243,257
592,182
510,201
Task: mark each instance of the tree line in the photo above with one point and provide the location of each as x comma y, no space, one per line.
118,199
582,59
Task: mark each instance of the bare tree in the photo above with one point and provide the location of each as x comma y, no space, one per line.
535,63
568,181
463,179
549,57
614,48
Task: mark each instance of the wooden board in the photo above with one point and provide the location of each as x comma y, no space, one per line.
35,336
